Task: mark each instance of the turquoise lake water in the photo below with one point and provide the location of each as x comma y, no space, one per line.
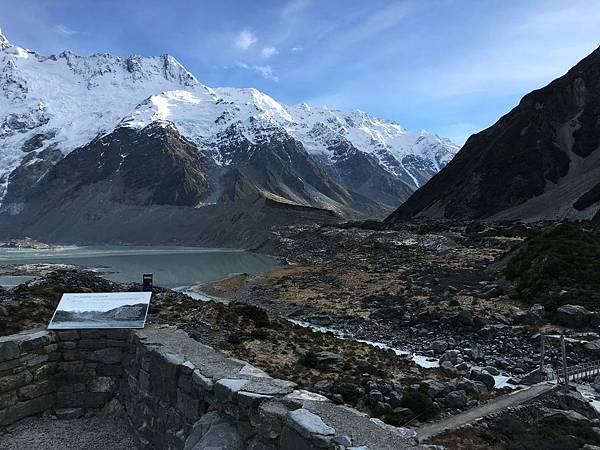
172,267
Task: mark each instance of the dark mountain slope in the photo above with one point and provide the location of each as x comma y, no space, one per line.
155,166
153,186
536,162
362,174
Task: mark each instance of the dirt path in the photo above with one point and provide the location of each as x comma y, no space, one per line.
513,399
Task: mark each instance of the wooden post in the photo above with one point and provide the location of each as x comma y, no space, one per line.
542,374
564,359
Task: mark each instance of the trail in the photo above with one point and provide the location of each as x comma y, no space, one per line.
513,399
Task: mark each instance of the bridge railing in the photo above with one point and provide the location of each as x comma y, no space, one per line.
579,371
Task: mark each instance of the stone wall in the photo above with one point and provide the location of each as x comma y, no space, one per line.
43,370
176,393
90,369
28,367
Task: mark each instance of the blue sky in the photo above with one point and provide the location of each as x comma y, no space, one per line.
452,67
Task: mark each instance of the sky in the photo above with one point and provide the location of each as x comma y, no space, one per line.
452,67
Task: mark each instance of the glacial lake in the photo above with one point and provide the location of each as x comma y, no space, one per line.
172,266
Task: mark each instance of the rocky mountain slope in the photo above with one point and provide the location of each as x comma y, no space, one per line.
539,161
144,132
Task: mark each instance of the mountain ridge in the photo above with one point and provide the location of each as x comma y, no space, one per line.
535,163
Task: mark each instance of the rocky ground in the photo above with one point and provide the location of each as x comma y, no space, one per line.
452,293
436,289
374,380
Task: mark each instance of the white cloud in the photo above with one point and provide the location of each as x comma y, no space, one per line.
267,52
64,30
264,71
297,49
245,39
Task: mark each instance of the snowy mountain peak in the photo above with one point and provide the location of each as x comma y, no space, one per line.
4,43
51,105
253,98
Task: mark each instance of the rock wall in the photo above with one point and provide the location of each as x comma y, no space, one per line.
43,370
176,392
28,367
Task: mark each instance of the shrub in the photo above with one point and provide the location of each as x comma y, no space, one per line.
258,315
558,266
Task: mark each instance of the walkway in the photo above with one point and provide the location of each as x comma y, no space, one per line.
513,399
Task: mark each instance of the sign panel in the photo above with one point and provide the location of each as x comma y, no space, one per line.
101,310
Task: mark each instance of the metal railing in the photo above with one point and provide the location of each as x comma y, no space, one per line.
580,371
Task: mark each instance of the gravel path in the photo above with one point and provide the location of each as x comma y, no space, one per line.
90,434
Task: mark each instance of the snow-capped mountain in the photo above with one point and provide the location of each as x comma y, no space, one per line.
344,161
412,157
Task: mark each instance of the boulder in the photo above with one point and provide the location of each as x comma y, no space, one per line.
463,368
535,315
214,431
561,416
449,355
465,318
573,316
448,368
432,388
593,346
363,366
456,399
485,378
574,401
307,423
374,397
473,388
329,361
439,347
477,352
535,376
492,370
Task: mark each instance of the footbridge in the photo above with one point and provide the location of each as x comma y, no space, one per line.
579,372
